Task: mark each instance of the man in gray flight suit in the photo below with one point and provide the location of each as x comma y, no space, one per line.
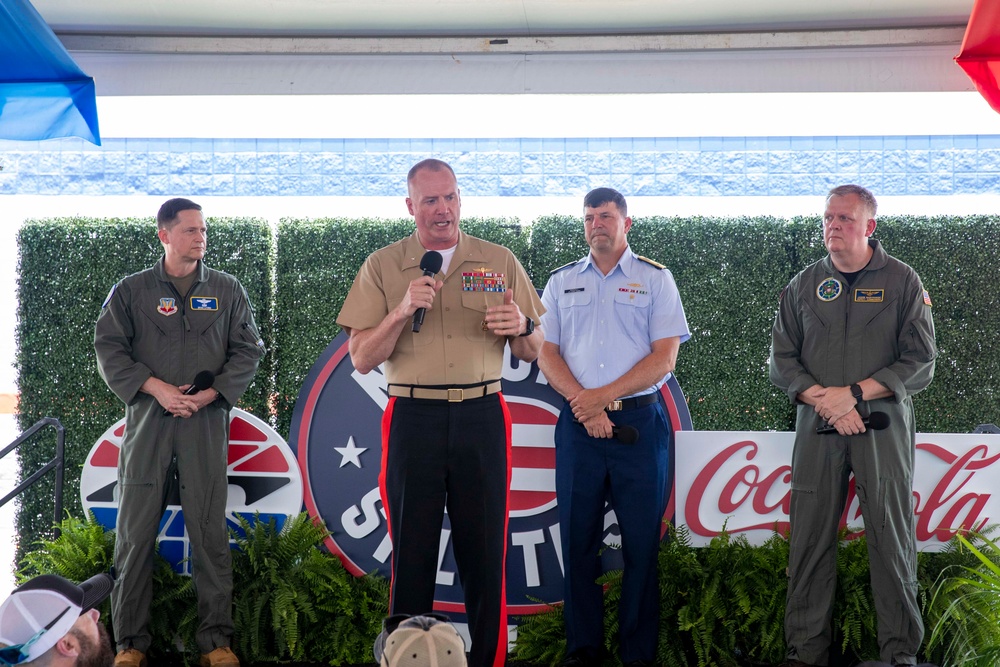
853,335
158,330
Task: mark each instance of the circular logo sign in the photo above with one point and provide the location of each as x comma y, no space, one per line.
336,434
263,477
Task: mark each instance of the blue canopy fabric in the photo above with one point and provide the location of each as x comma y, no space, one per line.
43,93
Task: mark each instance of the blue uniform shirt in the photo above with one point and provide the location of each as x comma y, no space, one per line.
604,325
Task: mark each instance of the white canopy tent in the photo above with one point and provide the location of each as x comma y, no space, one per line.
297,47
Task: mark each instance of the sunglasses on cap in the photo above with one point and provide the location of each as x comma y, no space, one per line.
15,655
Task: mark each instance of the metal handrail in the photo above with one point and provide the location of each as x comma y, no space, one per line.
56,463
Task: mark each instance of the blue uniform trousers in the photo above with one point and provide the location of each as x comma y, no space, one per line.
636,480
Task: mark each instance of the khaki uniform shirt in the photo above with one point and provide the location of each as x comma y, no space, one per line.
452,347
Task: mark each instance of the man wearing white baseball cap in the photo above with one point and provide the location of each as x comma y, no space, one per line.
51,622
420,641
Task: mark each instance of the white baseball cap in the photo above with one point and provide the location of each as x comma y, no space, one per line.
41,611
424,641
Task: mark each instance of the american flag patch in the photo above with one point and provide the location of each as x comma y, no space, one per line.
927,298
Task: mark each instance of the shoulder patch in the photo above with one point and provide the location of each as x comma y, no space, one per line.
650,262
107,299
565,266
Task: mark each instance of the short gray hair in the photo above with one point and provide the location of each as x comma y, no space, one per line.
862,193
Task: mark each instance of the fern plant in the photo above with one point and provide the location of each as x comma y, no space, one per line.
965,606
295,602
541,638
86,548
83,549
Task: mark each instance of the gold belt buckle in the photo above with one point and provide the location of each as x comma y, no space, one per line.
455,395
614,406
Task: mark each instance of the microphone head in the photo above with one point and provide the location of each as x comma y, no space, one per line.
431,262
627,435
204,380
878,421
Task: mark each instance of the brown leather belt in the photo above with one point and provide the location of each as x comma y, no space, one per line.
632,403
451,394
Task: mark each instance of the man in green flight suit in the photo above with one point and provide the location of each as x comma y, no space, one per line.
158,330
853,336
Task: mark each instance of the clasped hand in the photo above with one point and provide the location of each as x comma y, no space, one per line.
836,405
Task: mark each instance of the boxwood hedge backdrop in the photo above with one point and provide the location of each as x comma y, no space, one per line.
730,272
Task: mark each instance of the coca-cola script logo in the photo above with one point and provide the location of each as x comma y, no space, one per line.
337,437
741,480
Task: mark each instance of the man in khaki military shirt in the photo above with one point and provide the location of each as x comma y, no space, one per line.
446,429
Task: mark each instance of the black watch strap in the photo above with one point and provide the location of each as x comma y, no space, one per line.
529,326
857,392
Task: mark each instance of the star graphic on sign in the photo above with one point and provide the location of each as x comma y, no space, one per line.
351,453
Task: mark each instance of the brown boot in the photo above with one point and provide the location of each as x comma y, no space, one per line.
220,657
130,657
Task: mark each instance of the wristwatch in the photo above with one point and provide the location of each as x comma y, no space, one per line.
529,326
857,392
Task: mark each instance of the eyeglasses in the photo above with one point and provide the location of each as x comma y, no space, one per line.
15,655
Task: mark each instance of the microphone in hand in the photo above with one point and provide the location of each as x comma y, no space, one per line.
203,380
430,264
876,421
627,435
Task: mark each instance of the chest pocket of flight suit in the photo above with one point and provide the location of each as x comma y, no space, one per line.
816,343
632,312
148,324
881,335
212,328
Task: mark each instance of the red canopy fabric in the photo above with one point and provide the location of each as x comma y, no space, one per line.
980,54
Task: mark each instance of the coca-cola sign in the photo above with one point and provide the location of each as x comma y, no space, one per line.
740,480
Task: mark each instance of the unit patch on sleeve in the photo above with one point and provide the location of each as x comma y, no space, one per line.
204,303
869,295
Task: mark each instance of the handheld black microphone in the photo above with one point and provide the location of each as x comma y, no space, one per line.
627,435
430,264
876,421
203,380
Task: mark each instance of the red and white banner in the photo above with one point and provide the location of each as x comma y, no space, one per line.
741,480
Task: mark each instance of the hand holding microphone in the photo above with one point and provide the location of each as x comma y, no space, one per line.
627,435
875,421
430,264
203,380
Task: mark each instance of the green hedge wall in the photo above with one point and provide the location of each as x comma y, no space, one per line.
65,270
730,273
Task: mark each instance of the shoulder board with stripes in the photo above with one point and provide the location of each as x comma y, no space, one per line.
565,266
650,262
